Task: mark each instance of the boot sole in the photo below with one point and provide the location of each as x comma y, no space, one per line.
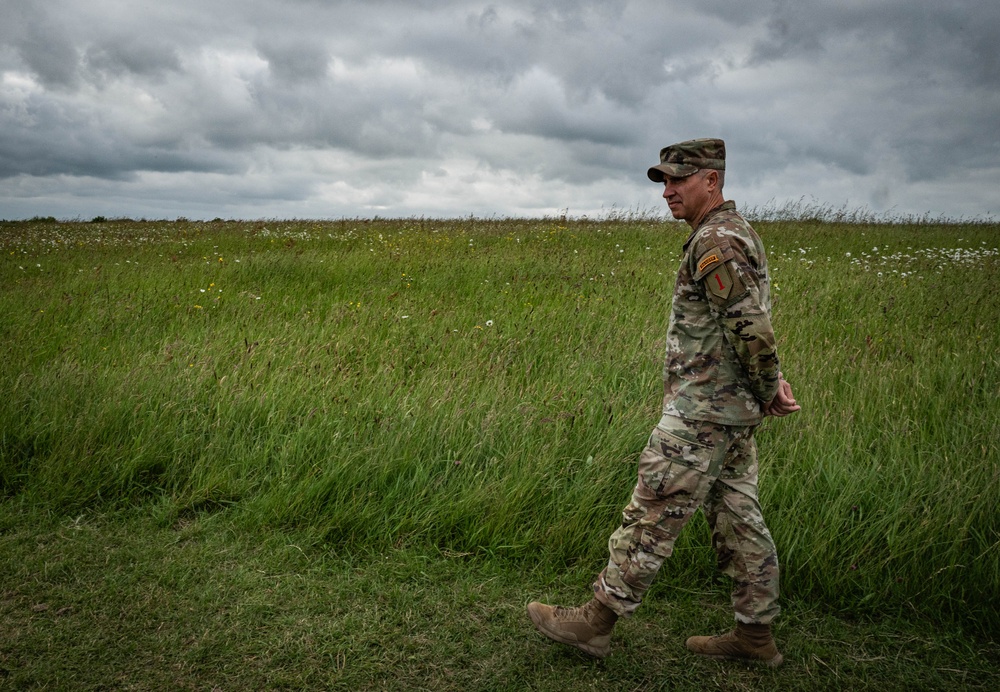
770,663
595,651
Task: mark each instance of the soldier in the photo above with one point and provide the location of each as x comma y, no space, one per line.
721,378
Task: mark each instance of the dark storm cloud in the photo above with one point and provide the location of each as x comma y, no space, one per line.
914,80
957,39
44,44
452,106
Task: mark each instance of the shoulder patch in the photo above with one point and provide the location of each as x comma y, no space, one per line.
719,281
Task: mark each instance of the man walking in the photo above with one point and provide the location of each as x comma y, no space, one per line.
721,378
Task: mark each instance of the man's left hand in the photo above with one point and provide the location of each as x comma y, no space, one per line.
783,402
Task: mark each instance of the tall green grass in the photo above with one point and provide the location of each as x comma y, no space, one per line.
485,386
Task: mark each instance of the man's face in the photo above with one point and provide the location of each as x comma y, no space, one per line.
686,197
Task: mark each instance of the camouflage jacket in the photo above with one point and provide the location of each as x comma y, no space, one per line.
721,361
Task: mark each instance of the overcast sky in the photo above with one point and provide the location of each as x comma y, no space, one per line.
438,108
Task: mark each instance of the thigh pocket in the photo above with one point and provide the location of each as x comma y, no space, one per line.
679,445
671,469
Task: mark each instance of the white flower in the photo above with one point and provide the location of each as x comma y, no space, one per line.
489,323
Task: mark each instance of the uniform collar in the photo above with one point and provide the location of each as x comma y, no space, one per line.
728,205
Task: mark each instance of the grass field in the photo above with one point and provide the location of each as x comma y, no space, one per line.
318,454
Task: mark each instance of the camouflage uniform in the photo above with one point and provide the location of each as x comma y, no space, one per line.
721,366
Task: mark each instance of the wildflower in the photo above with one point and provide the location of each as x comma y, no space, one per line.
489,323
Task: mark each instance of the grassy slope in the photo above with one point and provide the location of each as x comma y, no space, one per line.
345,393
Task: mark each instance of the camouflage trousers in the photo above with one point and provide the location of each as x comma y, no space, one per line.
686,465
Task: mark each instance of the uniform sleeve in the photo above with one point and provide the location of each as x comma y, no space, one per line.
732,286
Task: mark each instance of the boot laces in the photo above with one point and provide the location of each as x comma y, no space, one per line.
564,613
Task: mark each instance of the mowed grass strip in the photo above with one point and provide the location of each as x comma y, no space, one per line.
131,601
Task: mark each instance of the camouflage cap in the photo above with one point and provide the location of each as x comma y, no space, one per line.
685,158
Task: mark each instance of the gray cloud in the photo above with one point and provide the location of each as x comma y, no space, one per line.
302,107
124,56
292,60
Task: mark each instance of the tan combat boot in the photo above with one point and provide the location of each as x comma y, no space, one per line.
588,627
745,643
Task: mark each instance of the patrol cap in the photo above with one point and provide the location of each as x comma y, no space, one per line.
685,158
